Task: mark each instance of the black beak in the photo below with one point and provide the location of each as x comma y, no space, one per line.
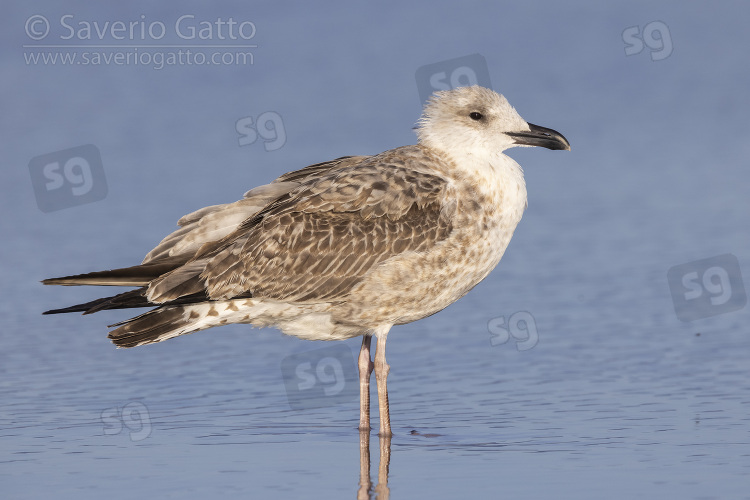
541,136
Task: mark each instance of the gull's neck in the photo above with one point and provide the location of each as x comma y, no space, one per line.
496,176
489,170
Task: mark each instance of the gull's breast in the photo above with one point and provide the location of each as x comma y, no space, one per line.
418,284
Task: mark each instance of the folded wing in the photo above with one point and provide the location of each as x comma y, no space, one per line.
319,240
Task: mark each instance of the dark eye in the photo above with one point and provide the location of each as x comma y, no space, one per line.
475,116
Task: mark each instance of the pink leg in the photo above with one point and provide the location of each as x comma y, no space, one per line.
365,370
381,374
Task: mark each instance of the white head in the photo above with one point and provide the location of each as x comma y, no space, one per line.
477,121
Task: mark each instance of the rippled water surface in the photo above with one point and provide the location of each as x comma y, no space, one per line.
591,410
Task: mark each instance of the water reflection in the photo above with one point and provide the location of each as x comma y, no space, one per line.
366,490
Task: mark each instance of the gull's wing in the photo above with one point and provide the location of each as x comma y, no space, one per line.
215,222
199,228
320,239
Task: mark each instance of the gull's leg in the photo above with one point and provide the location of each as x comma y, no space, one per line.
381,374
365,370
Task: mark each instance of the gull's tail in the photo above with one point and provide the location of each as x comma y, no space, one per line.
166,322
154,326
179,317
183,315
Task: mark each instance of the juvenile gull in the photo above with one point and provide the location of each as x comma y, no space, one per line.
343,248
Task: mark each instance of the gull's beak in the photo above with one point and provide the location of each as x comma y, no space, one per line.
541,136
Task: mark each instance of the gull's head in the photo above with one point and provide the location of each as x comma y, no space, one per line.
477,121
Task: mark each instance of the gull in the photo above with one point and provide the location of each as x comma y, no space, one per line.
344,248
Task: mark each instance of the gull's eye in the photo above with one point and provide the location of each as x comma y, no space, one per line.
475,116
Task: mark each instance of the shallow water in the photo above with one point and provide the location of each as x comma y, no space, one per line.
588,411
566,374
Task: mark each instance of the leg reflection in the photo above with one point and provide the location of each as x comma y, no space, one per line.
381,490
365,483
